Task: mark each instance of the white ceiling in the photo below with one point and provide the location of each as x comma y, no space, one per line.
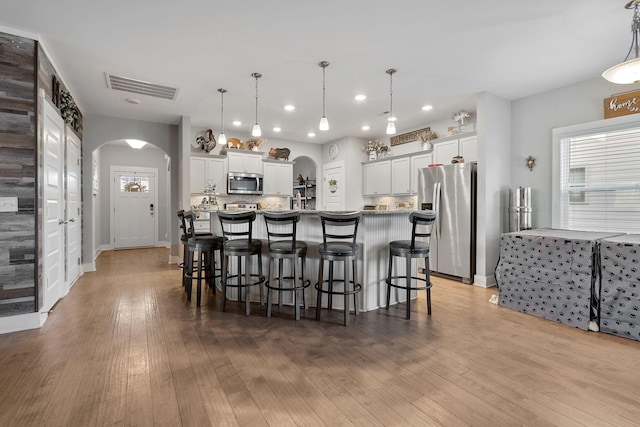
445,53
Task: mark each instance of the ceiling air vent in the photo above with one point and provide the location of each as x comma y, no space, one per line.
138,86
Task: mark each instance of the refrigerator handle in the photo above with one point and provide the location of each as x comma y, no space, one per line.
436,207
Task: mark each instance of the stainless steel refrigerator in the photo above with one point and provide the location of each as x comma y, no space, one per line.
451,191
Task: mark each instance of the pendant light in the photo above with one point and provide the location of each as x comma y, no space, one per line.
256,131
222,139
391,125
628,71
324,123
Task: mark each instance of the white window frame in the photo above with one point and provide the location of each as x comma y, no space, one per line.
558,134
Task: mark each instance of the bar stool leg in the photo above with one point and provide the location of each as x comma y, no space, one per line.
389,272
330,296
346,295
303,260
247,278
259,277
320,280
355,283
280,280
269,283
223,282
294,260
408,281
199,280
428,277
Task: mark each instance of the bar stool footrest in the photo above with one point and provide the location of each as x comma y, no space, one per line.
411,288
357,288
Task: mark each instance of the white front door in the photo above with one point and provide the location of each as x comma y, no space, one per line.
334,194
134,201
72,209
52,181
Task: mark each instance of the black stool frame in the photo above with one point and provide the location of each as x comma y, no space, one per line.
281,233
237,229
410,249
339,246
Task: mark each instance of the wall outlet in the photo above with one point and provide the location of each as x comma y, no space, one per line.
8,204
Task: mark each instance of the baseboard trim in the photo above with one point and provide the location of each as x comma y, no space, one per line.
174,259
484,281
22,322
90,266
163,244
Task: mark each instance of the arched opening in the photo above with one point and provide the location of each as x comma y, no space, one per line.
306,173
150,209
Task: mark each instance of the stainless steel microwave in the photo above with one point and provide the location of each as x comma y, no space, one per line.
244,183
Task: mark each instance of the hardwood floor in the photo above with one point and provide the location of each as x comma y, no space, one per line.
125,348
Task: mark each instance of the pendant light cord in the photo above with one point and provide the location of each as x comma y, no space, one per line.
390,95
323,90
256,99
222,112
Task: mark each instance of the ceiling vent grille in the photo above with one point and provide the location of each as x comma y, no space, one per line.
140,87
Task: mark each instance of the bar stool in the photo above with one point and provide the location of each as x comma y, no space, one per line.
339,231
281,232
410,249
205,264
184,239
237,230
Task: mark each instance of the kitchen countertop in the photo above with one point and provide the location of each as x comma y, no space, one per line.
310,211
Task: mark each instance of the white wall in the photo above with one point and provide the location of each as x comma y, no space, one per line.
534,117
148,157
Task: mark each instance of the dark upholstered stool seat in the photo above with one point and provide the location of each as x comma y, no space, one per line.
281,232
237,228
339,231
410,249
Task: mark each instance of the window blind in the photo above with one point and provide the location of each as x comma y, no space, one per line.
600,181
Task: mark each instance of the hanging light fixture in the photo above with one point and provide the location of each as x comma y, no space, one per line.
222,139
256,128
135,143
391,125
324,123
628,71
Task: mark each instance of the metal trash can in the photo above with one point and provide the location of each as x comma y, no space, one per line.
520,210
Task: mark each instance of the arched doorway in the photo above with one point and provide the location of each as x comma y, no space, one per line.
305,174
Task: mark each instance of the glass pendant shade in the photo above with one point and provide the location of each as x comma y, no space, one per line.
624,73
256,131
135,143
628,71
391,128
324,123
222,139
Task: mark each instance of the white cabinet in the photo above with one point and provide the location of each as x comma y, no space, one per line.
376,178
206,171
401,176
241,162
444,152
418,162
469,148
278,179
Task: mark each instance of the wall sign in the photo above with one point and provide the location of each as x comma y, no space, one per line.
408,137
622,104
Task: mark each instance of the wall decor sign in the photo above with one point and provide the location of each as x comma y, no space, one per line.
408,137
622,104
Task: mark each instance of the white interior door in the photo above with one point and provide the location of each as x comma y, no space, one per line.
134,201
72,209
52,181
333,195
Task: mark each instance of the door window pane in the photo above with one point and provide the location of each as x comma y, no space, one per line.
134,184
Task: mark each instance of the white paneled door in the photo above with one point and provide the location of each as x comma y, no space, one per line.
52,182
334,194
73,236
134,201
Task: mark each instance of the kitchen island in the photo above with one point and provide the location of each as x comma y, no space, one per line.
375,231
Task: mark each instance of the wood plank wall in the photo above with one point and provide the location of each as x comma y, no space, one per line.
18,144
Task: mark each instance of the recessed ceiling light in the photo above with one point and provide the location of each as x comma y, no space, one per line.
360,97
365,127
133,101
277,129
427,108
237,123
289,107
311,134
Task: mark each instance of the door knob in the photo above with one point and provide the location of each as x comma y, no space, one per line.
60,222
72,220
